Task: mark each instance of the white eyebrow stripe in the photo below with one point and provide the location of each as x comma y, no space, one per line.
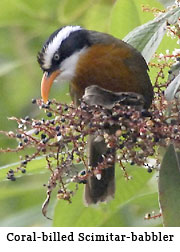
56,42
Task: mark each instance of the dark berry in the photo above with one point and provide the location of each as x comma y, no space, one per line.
36,132
145,113
124,135
83,106
25,139
45,140
83,182
57,128
83,173
45,106
24,162
43,136
49,114
121,146
149,169
38,123
52,121
90,125
175,131
156,139
18,135
33,101
27,118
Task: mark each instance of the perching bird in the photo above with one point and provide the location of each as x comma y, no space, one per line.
84,58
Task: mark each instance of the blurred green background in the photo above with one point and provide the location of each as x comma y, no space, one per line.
24,26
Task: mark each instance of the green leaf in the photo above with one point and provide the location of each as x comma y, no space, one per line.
124,18
76,214
126,15
132,213
146,38
172,89
174,71
25,218
169,188
167,2
21,201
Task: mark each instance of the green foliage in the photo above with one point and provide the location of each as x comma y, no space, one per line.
21,201
169,188
146,38
127,15
24,25
172,88
166,3
128,195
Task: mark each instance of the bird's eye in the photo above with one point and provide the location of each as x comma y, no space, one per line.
56,56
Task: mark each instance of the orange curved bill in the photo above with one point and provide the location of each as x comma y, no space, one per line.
46,84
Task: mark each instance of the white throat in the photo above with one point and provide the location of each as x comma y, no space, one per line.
68,66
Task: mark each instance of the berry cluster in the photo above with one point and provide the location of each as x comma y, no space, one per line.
61,138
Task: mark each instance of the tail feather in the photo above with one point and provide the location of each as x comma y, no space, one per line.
103,189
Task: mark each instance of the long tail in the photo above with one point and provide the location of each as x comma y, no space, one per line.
99,190
104,189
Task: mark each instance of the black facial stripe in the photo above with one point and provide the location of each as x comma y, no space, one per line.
75,42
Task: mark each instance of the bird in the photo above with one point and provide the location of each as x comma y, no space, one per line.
85,58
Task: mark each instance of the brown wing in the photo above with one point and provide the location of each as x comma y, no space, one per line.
136,62
113,65
106,39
